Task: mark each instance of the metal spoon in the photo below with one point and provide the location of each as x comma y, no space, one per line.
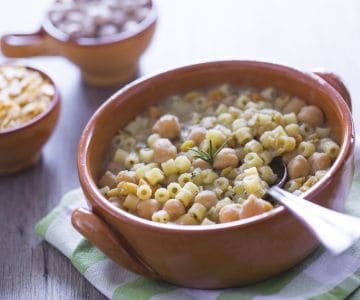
336,231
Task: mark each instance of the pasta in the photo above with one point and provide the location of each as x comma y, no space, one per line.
204,158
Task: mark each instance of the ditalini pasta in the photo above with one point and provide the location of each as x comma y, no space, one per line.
203,157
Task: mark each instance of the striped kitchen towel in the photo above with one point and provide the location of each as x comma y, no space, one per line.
321,276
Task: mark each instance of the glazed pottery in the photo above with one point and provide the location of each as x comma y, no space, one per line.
110,61
20,146
221,255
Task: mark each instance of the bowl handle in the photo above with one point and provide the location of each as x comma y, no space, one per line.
103,237
336,82
25,45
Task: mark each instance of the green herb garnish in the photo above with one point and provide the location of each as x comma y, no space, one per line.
210,154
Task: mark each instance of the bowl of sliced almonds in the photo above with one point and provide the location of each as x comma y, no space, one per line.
29,110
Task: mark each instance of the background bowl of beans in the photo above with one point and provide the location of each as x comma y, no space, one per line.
29,110
104,38
219,255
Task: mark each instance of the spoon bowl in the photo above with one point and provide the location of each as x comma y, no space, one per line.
279,168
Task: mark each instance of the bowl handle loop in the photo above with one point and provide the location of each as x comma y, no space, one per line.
336,82
103,237
25,45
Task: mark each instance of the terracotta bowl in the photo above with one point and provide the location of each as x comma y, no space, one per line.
111,61
20,146
222,255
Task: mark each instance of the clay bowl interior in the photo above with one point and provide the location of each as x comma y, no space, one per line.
136,97
20,146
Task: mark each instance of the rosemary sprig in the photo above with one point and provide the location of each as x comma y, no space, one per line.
210,154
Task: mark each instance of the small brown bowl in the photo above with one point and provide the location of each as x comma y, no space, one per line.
107,61
221,255
20,146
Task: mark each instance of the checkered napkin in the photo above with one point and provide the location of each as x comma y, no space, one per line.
321,276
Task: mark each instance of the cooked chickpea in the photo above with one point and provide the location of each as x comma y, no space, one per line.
199,163
146,208
206,198
229,213
186,220
128,176
254,206
298,167
117,201
108,179
197,134
226,158
167,126
294,105
311,115
174,208
319,161
163,150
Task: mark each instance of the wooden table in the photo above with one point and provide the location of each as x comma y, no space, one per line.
304,34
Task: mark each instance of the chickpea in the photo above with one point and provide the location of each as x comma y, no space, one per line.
186,220
294,105
108,179
311,115
226,158
229,213
206,198
167,126
174,208
197,134
154,112
254,206
117,201
163,150
146,208
298,167
319,161
128,176
202,164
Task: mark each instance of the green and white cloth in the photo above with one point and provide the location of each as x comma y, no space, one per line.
321,276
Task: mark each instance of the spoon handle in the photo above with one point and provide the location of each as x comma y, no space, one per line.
336,231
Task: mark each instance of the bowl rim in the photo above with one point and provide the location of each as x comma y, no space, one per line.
58,35
55,100
97,199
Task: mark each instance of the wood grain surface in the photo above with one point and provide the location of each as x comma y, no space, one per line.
304,34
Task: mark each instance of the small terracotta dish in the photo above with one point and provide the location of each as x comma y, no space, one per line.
221,255
20,146
111,61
